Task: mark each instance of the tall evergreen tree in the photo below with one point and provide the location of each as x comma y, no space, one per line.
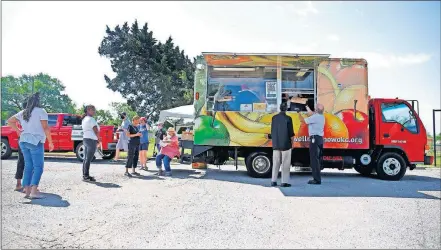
151,75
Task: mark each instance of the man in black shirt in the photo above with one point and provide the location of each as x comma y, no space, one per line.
282,134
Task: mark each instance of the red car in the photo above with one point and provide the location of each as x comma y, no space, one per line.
67,136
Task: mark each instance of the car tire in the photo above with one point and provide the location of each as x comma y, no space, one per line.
259,165
79,152
6,149
364,170
391,166
109,155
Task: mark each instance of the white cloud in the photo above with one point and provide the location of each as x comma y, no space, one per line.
334,38
307,9
380,60
360,12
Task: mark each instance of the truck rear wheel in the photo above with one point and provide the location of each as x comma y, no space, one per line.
6,149
391,166
80,151
364,170
259,165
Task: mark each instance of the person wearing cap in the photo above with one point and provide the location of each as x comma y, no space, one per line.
144,142
169,150
123,140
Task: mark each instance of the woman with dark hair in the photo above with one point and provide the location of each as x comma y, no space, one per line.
91,139
33,134
134,140
20,162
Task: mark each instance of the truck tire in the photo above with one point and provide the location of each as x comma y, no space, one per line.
391,166
109,155
79,151
364,170
259,165
6,149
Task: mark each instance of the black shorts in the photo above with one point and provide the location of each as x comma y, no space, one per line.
143,146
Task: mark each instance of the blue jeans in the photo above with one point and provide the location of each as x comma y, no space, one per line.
34,163
167,161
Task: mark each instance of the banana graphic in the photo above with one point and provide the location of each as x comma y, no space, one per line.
247,125
238,137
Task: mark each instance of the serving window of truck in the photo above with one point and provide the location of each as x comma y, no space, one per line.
259,83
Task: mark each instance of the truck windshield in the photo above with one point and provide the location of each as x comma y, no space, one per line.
400,113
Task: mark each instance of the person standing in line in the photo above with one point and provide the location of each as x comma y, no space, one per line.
144,143
91,139
159,136
20,162
123,140
169,150
316,125
33,134
134,140
282,134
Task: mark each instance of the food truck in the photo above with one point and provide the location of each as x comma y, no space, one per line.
236,95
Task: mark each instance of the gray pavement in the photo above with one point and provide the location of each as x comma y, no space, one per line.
219,209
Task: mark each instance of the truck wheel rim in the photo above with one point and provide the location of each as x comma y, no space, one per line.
4,149
391,166
81,152
261,164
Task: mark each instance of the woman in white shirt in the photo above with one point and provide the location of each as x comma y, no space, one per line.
33,134
90,139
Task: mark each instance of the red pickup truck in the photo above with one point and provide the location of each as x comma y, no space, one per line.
67,136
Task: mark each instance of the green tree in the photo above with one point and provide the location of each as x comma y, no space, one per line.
151,75
14,90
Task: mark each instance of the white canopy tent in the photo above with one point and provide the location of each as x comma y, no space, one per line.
186,113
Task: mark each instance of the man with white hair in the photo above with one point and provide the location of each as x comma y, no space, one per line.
316,125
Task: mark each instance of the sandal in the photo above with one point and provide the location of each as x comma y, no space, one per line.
36,197
19,189
136,173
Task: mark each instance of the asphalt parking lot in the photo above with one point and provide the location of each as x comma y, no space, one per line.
219,209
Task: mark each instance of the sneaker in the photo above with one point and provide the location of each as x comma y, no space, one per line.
273,184
314,182
285,185
127,174
168,174
92,179
160,173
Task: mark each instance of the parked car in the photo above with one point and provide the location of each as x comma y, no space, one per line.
67,136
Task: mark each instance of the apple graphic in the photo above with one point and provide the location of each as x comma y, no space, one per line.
210,131
358,127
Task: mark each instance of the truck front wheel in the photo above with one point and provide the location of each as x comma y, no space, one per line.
391,166
259,165
107,155
6,149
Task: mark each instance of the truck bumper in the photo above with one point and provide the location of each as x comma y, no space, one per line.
111,146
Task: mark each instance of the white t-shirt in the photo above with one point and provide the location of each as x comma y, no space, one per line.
32,131
87,124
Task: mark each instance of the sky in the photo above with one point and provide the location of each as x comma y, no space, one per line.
400,40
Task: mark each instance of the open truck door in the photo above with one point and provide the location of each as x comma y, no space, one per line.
342,88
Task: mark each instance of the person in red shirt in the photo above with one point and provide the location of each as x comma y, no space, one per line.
169,150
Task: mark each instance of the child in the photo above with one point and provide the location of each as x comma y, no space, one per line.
144,143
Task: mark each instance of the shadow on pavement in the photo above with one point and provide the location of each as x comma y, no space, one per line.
50,200
333,184
105,184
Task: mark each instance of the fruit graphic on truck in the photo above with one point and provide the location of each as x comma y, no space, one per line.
236,96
